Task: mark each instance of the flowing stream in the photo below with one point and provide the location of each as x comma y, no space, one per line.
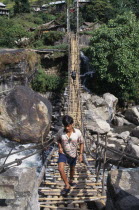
88,70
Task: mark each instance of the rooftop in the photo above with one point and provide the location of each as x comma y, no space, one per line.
2,5
82,1
54,3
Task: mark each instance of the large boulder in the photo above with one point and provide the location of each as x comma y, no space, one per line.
95,123
123,190
135,132
111,102
103,107
120,121
132,149
25,116
132,115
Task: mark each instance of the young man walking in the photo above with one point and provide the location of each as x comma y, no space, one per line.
68,139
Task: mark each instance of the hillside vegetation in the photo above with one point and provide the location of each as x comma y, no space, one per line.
114,53
10,3
113,50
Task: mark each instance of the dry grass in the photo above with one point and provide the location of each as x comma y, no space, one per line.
12,58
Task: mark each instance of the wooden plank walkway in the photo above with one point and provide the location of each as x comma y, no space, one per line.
89,187
85,191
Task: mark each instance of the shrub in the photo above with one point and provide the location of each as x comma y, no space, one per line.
11,32
43,82
114,53
52,36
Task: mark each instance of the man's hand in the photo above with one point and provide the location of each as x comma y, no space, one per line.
81,158
60,150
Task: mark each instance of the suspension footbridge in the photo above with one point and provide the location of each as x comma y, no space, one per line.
90,175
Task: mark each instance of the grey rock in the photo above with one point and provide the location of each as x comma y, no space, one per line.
103,108
137,107
86,96
133,149
111,101
7,192
26,190
134,140
124,135
98,101
122,190
126,122
132,115
96,124
135,132
19,66
25,115
118,121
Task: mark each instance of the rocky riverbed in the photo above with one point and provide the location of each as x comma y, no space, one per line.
100,116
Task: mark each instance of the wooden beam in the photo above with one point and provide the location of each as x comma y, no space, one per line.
73,190
80,198
59,208
57,183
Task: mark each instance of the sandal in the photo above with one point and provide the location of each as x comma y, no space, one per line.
72,184
65,192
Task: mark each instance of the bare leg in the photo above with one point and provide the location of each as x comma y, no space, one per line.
61,166
72,171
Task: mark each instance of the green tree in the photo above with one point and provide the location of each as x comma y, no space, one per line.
114,53
21,6
10,32
101,10
121,6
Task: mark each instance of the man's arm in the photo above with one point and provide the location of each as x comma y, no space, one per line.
60,147
81,152
58,140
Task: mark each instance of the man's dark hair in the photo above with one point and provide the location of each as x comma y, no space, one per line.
67,120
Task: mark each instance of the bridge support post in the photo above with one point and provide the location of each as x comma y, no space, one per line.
104,162
98,161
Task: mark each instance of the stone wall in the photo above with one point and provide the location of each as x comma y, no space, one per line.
19,189
16,67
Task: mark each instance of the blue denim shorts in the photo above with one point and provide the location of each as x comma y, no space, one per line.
67,159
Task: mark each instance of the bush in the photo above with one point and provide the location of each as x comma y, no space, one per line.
114,53
10,33
46,17
52,36
43,82
38,44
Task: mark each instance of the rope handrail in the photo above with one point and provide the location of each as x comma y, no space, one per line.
124,154
32,147
19,161
7,90
120,153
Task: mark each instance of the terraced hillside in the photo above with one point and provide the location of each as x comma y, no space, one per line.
10,3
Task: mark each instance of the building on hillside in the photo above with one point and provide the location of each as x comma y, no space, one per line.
3,10
89,26
82,2
52,26
59,5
